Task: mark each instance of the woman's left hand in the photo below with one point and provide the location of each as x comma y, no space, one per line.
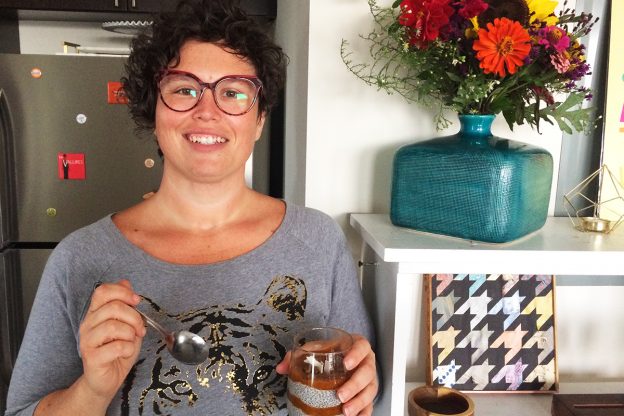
357,393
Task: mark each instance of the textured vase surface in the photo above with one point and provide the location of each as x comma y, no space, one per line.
472,185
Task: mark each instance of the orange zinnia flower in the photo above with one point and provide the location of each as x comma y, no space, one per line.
504,44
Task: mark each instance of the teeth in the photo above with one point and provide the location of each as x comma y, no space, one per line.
206,139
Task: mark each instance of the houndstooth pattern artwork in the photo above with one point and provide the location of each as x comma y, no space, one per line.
492,332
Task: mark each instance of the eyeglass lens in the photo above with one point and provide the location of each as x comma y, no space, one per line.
232,95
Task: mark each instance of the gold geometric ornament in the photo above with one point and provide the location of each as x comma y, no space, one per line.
604,214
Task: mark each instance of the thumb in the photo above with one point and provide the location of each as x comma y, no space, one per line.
284,366
125,283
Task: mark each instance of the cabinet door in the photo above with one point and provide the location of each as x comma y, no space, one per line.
150,5
266,8
67,5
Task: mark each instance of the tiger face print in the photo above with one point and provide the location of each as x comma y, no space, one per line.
246,342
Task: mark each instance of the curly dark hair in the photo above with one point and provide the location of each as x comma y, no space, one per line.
216,21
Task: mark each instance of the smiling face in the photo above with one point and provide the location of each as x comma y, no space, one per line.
205,144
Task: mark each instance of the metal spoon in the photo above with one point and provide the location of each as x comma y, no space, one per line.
184,346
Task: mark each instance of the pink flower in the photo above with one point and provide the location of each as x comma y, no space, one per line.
471,8
554,38
561,61
424,19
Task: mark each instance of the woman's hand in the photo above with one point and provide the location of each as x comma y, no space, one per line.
110,338
360,390
358,393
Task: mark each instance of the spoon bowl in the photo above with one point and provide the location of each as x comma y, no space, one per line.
184,346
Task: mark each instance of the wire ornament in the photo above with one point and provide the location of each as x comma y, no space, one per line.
597,215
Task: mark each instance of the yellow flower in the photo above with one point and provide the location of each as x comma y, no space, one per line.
543,10
475,23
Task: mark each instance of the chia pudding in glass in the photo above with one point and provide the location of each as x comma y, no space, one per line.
316,372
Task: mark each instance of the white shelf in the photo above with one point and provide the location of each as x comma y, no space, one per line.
394,260
526,404
557,248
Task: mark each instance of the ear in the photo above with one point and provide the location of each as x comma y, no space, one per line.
260,125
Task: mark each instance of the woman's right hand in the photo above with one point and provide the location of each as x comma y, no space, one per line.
110,338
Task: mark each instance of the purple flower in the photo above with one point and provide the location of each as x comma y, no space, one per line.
554,38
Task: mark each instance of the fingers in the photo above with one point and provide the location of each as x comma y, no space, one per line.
115,302
284,366
111,335
108,353
359,351
103,330
113,291
360,390
361,404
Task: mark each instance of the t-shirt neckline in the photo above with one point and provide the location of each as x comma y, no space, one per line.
137,252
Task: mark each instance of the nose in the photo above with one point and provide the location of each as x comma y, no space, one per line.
206,106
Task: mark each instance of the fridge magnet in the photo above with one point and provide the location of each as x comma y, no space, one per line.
71,166
116,93
81,118
491,332
36,73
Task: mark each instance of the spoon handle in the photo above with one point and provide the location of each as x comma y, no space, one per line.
154,324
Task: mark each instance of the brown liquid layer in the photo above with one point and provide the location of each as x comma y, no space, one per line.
310,376
314,411
317,381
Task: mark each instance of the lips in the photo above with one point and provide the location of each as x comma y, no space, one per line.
206,139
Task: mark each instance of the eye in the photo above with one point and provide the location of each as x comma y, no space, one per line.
186,91
231,94
180,86
262,374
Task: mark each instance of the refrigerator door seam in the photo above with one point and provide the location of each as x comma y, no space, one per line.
7,182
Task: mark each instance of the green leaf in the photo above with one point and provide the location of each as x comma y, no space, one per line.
509,118
569,115
454,77
396,4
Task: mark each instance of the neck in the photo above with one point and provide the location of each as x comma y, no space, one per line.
201,206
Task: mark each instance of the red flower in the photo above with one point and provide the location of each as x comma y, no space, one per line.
471,8
504,44
544,94
424,19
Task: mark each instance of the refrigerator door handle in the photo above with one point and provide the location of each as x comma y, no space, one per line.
8,317
7,182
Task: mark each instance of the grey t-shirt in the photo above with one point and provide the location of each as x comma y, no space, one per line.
248,308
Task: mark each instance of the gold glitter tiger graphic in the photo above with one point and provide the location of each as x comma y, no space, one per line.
232,331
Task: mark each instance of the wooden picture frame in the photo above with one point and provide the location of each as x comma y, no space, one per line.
493,332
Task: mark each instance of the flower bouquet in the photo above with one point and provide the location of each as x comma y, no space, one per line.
515,57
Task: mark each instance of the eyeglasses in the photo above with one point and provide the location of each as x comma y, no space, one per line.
234,94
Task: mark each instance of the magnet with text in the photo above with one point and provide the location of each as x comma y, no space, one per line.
71,166
116,93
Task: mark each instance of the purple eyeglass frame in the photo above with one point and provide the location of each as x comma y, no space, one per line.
208,85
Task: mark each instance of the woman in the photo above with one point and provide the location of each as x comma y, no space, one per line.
204,253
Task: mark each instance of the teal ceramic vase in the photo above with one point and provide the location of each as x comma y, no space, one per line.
472,185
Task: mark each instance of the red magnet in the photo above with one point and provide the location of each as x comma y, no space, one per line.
71,166
116,94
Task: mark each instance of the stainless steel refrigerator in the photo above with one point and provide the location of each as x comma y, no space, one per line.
68,156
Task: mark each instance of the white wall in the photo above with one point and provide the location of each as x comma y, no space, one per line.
351,133
353,130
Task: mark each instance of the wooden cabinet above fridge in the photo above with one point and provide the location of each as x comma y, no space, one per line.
89,5
265,8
